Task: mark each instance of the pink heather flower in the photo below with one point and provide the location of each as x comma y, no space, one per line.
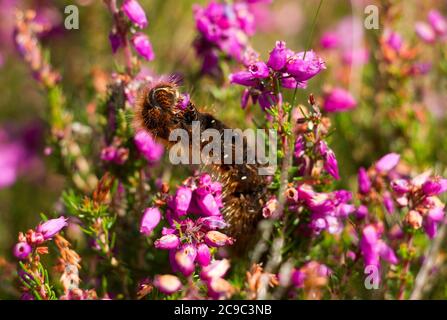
167,242
167,283
437,21
148,147
338,100
362,212
115,41
330,162
331,165
388,203
151,218
298,278
213,222
203,255
431,221
431,188
329,40
393,40
182,200
219,288
373,248
51,227
387,162
305,65
364,181
299,147
278,56
271,208
400,186
135,13
425,32
244,78
217,269
22,250
184,262
208,205
217,239
259,70
143,46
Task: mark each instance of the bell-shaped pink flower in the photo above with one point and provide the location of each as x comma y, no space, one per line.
51,227
151,218
167,242
167,283
22,250
143,46
135,13
217,239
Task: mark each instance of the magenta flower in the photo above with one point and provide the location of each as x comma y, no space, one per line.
184,260
305,65
387,162
400,186
151,218
393,40
217,269
434,217
167,283
22,250
373,248
329,40
51,227
338,100
425,32
148,147
278,56
115,41
203,255
330,162
167,242
143,46
364,181
135,13
285,67
259,70
182,200
432,188
217,239
437,22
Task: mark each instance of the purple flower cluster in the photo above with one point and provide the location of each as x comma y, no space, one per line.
435,29
194,218
141,43
373,248
338,100
33,238
224,27
319,151
346,38
284,68
148,147
418,195
327,210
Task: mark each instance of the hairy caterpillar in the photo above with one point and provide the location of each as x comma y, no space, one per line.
160,109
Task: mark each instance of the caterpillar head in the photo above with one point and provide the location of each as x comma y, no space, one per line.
157,110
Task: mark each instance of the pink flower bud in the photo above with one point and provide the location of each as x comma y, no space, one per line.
216,269
51,227
143,46
167,242
217,239
135,13
203,255
150,220
167,283
22,250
